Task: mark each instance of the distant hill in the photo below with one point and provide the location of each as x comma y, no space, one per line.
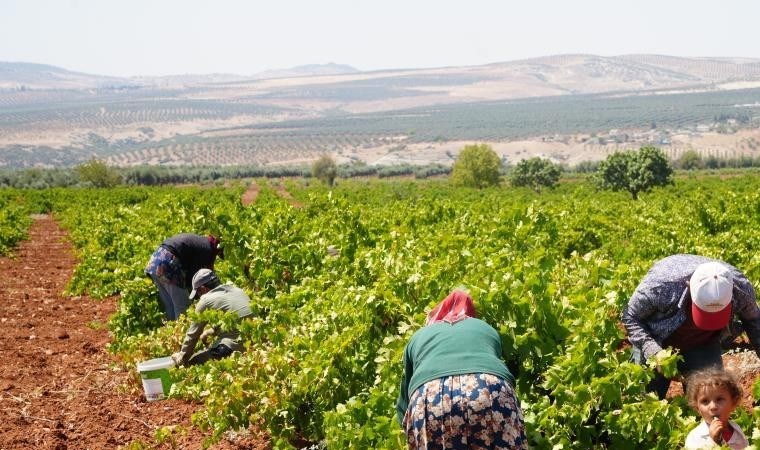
22,76
50,116
536,77
309,70
561,75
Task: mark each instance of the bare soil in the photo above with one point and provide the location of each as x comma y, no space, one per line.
250,195
744,364
282,191
59,388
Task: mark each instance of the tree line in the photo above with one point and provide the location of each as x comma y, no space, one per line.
477,166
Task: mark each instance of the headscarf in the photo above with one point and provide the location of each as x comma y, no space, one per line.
215,246
457,306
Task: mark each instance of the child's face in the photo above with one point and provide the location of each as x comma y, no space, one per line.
715,401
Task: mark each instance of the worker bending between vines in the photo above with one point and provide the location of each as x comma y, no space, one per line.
213,296
456,392
692,304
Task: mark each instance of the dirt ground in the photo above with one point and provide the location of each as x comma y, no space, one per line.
59,388
250,195
744,364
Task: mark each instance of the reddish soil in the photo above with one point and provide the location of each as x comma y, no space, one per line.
744,364
59,388
249,196
282,191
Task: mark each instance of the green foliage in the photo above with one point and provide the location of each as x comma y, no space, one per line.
325,169
477,166
98,174
323,349
535,173
14,219
634,171
690,160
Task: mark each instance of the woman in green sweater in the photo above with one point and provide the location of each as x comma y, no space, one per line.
456,392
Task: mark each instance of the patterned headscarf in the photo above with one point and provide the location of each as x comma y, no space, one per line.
457,306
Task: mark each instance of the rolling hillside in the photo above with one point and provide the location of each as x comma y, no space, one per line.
50,116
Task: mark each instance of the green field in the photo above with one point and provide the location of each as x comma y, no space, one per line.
551,272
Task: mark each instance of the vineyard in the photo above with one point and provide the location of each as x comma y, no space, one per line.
550,272
28,110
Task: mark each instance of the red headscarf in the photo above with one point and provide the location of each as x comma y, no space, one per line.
214,241
457,306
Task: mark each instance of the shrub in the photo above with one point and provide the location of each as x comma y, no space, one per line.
536,173
477,166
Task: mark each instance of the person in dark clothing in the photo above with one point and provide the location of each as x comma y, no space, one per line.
456,392
692,304
173,264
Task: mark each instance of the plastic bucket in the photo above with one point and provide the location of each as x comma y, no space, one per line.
155,377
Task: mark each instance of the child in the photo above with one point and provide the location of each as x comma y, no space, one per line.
715,394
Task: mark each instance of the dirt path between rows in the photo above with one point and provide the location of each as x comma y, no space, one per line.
251,194
59,388
282,191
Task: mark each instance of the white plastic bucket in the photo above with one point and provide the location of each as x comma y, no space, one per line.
155,377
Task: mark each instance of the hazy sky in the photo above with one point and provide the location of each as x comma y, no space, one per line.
160,37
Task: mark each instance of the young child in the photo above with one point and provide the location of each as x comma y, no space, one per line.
714,393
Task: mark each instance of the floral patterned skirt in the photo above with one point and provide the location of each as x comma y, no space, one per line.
472,411
166,268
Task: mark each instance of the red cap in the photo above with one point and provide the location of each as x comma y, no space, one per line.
710,320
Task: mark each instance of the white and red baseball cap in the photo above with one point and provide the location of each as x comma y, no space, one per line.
711,288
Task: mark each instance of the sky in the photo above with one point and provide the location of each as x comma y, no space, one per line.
169,37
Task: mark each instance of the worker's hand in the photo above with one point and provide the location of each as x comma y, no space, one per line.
658,358
178,358
665,362
716,430
206,335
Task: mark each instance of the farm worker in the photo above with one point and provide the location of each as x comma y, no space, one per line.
173,264
455,388
686,302
715,394
213,296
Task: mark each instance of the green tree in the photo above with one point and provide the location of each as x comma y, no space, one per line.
477,166
690,160
97,173
634,171
325,169
712,162
536,173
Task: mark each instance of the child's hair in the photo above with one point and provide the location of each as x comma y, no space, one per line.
712,377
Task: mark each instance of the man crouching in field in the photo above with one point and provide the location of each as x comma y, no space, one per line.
687,302
213,296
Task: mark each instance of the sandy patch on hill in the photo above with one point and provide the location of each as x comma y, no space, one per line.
57,135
